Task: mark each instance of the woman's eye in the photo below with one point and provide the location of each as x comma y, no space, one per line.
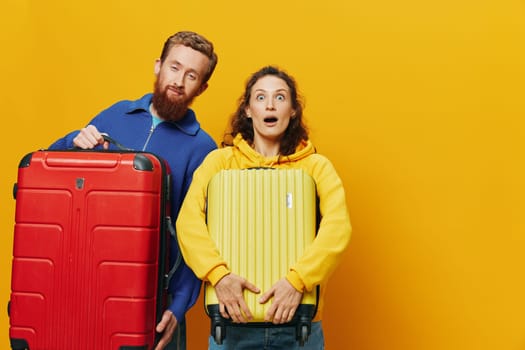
280,97
259,97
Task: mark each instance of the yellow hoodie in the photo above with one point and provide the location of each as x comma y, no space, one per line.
322,256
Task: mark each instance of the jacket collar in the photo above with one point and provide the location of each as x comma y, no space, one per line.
303,150
188,124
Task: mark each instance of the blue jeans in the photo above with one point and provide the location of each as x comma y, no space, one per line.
178,342
271,338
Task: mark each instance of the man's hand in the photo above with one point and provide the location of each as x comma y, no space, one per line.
167,326
89,137
231,300
286,299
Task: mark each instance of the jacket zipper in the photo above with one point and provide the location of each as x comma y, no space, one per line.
149,137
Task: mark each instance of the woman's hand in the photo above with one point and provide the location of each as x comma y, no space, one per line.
229,291
286,299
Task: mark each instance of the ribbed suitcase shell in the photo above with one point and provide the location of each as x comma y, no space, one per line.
89,251
262,220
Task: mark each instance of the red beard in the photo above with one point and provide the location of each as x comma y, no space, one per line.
166,108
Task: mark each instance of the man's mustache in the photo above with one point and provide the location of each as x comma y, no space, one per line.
175,88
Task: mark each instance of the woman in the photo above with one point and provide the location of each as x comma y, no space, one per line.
268,131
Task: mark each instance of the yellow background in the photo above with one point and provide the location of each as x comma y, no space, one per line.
419,104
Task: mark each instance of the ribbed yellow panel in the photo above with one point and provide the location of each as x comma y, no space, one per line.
261,220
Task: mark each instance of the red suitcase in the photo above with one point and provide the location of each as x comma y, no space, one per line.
90,253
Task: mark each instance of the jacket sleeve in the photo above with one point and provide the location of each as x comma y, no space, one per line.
197,247
322,257
184,289
184,285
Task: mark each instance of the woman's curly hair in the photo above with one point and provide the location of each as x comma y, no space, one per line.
240,123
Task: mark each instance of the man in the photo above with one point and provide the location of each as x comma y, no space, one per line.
162,123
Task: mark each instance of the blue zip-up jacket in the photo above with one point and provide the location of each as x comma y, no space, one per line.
183,145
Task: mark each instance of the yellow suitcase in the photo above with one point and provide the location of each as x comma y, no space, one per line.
261,219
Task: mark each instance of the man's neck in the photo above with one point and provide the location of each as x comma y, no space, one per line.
153,111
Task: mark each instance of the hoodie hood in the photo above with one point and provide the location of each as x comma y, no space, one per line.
251,158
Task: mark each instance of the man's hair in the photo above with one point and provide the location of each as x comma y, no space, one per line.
196,42
295,133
